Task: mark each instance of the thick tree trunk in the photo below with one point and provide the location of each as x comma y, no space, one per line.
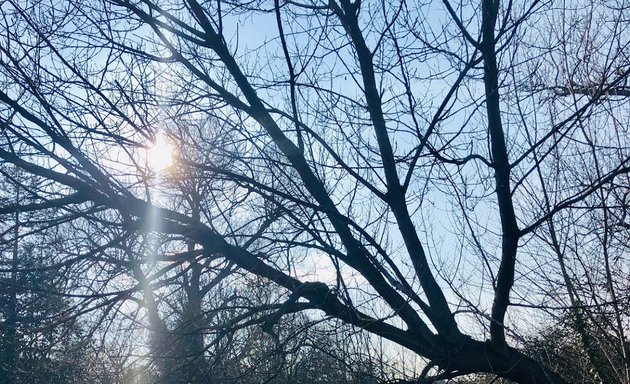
477,357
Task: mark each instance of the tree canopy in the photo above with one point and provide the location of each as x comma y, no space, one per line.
450,177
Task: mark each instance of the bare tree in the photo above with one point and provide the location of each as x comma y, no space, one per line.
380,162
590,62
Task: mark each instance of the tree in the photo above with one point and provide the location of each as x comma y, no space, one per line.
562,347
588,242
39,341
401,146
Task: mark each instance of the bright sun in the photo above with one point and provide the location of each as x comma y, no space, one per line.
160,154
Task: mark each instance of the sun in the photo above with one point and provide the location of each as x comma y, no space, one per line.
160,154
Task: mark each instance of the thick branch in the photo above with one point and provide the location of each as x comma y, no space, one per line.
440,314
509,226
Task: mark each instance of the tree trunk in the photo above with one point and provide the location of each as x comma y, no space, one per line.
476,357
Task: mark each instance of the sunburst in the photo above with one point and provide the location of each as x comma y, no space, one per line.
160,154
